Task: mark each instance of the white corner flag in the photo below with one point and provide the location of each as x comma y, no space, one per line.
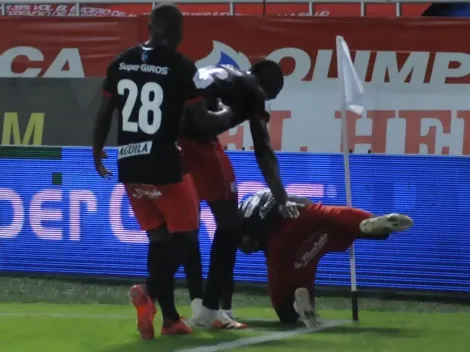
351,95
350,84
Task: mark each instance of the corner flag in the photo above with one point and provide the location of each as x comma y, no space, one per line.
351,95
350,84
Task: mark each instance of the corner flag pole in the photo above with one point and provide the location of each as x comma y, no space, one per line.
351,96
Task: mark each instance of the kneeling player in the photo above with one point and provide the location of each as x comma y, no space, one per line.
293,247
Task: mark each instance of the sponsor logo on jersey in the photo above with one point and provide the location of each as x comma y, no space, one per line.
136,149
140,193
158,70
310,248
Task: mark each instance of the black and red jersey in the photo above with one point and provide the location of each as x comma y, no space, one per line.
235,88
150,86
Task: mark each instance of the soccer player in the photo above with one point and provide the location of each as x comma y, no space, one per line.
204,157
151,86
293,248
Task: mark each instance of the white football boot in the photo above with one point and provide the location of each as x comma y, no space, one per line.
384,224
305,307
215,319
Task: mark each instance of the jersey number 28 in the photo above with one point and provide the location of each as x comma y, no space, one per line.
150,98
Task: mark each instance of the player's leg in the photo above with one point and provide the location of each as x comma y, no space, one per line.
293,255
179,205
193,272
144,301
293,295
222,262
283,277
304,295
360,222
215,182
385,224
226,300
193,156
166,253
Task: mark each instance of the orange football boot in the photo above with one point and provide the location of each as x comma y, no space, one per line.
175,328
146,311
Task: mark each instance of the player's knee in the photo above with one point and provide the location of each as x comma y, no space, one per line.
188,236
158,234
287,313
226,215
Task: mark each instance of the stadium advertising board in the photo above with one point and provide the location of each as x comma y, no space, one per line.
58,216
412,59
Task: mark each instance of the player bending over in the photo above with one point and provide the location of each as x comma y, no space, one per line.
293,248
151,85
204,157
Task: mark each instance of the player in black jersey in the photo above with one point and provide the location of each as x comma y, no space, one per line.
293,248
245,93
151,85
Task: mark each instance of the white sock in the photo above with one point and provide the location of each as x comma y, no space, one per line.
196,305
208,313
228,313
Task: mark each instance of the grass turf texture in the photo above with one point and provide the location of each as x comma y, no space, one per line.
47,315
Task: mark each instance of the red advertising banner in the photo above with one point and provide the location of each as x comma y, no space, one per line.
221,9
78,47
63,47
305,47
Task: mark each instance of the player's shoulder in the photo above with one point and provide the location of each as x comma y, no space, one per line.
183,62
125,56
234,71
130,53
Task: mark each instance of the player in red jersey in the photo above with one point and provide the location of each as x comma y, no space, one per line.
151,86
204,157
293,248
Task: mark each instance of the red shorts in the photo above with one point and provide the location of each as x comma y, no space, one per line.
298,245
175,205
210,168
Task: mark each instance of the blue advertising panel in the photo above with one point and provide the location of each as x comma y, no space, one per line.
58,216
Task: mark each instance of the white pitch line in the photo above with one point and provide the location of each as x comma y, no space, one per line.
264,338
65,316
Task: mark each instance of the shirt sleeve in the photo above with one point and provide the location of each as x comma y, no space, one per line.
194,83
109,87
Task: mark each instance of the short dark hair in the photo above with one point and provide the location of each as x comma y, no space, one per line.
166,17
270,76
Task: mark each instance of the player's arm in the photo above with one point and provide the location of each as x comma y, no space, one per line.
222,123
103,120
266,159
207,121
269,166
195,106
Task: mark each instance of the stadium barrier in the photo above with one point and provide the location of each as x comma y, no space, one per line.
322,8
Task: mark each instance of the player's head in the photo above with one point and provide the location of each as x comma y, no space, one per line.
270,77
166,25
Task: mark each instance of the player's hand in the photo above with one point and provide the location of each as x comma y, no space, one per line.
289,210
222,107
101,169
